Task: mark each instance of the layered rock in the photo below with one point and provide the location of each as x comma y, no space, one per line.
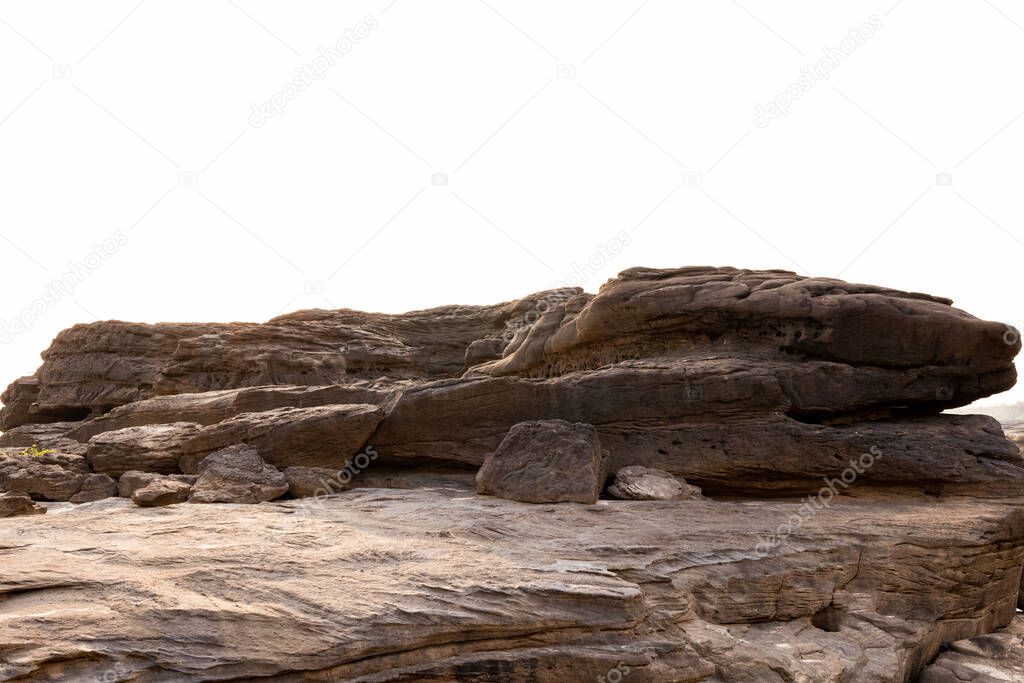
151,448
326,436
427,585
868,530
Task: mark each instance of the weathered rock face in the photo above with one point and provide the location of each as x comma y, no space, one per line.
308,482
130,482
237,475
325,436
992,658
151,448
867,530
374,585
548,461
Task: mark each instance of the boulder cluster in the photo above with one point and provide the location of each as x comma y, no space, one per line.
731,401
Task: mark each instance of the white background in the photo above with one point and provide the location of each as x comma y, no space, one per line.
560,127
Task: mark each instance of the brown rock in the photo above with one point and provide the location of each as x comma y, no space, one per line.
550,461
52,435
95,487
309,482
645,483
160,492
17,504
237,474
42,478
151,448
325,436
132,481
212,407
992,658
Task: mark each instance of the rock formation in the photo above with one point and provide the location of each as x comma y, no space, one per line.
850,530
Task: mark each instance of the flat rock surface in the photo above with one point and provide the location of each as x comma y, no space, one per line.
359,587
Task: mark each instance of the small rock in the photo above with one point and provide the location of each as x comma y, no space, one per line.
161,491
237,474
17,504
95,487
548,461
646,483
132,481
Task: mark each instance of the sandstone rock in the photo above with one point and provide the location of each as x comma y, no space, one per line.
645,483
432,585
39,480
17,504
95,487
993,658
151,448
308,482
212,407
549,461
160,492
237,474
132,481
324,436
52,435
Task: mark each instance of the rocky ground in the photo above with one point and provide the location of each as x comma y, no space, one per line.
693,475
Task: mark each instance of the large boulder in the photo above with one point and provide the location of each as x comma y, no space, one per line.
548,461
324,436
237,474
150,448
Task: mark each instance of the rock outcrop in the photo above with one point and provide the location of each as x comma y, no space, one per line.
851,530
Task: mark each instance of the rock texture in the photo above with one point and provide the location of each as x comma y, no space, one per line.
548,461
17,504
851,531
992,658
161,491
325,436
150,448
645,483
430,585
237,475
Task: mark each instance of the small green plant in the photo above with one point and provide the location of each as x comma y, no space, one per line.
34,451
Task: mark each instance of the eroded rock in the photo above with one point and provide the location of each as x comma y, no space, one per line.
151,448
645,483
547,461
237,474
